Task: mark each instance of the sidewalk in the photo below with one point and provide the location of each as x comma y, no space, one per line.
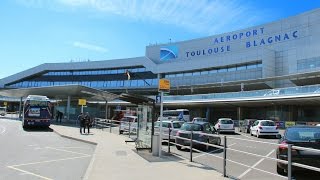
113,159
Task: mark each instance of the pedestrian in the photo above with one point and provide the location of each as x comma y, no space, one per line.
57,115
81,123
60,115
87,121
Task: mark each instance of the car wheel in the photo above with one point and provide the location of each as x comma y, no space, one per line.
251,133
281,171
178,147
120,132
257,134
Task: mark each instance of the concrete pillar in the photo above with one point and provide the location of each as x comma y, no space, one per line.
239,113
20,108
106,109
68,108
208,114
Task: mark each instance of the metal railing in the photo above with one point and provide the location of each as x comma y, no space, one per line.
225,148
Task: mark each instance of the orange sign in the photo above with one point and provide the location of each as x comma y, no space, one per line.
164,85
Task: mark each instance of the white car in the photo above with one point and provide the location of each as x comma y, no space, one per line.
225,125
264,128
128,122
173,125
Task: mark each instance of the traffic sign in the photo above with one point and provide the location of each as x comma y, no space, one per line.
82,102
158,99
164,85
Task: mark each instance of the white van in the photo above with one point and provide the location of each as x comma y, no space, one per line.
3,111
128,122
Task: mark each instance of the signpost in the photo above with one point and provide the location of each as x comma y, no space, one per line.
82,102
164,86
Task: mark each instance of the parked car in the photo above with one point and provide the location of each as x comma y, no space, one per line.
303,136
264,128
124,124
3,111
224,125
173,125
245,125
197,127
199,119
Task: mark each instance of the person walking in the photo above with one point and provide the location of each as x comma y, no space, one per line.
81,123
87,120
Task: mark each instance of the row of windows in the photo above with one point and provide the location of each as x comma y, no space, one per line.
216,70
93,84
94,72
308,63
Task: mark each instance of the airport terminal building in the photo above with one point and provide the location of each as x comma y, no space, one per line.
270,71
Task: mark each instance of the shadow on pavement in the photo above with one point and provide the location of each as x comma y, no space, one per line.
147,155
38,129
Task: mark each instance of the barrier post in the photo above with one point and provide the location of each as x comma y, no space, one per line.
129,128
191,138
225,157
110,124
289,161
169,140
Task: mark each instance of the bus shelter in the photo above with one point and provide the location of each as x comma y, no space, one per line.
146,118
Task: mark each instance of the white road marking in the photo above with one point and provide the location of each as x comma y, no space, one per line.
3,129
213,151
247,136
256,164
55,160
27,172
251,147
73,152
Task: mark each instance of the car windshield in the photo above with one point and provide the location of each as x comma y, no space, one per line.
226,121
303,134
267,123
200,120
191,127
177,125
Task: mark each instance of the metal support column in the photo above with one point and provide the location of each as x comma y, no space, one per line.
20,108
239,113
106,109
68,108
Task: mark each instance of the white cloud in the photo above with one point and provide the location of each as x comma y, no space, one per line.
89,47
201,16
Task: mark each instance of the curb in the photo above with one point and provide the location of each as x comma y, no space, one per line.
73,138
89,168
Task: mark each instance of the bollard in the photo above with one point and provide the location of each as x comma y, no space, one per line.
289,161
191,138
110,124
129,128
225,157
169,140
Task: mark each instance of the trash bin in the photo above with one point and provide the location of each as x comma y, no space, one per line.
155,145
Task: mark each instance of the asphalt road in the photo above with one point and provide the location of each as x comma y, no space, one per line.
241,165
39,153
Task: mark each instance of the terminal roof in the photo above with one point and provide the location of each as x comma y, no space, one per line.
56,92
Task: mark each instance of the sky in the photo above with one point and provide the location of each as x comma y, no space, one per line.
33,32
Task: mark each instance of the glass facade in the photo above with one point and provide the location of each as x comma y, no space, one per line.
217,70
99,79
308,64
